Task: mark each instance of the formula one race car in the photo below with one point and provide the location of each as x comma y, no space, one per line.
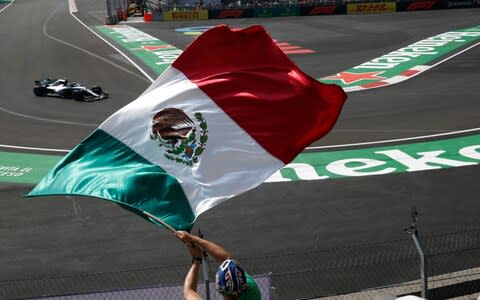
68,89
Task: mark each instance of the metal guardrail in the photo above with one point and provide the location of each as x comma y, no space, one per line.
120,10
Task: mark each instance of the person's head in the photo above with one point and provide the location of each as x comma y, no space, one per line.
230,279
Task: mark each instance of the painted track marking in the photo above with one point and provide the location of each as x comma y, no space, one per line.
7,6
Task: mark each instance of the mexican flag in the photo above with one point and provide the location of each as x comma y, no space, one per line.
228,113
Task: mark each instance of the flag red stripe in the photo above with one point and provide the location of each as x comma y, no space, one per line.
261,89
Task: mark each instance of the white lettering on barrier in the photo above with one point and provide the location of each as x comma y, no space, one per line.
168,56
423,47
8,168
138,39
305,171
11,171
471,152
431,43
466,33
172,54
277,177
402,52
375,65
422,163
340,167
360,166
133,35
10,174
419,49
391,59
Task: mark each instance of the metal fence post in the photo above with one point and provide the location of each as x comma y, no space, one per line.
412,230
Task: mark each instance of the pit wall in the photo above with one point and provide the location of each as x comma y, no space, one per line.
326,8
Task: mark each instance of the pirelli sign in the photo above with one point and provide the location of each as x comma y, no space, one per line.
185,15
371,8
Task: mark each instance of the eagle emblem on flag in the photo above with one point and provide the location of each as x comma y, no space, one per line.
183,138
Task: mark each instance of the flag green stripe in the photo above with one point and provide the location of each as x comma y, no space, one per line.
103,167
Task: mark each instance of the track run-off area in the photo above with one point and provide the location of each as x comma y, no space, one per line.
409,135
391,68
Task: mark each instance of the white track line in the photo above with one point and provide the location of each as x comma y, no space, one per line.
458,53
34,148
72,6
45,32
8,5
399,79
47,120
396,140
111,45
308,148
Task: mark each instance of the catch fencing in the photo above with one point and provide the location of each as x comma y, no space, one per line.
184,10
116,11
355,272
120,10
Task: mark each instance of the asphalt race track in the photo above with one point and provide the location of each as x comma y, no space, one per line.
317,238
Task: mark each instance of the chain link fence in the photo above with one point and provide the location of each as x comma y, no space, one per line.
120,10
160,292
355,272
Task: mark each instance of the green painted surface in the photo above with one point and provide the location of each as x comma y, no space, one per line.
24,167
425,156
155,53
421,53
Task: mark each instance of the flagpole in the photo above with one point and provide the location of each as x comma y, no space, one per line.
160,221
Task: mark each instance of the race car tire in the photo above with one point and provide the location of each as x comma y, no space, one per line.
39,91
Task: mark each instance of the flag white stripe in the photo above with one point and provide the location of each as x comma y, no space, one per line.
230,156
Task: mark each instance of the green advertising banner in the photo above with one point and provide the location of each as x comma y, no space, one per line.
25,168
454,152
403,63
262,13
424,156
286,11
276,12
157,54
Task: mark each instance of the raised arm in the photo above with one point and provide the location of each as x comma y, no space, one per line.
214,250
190,285
191,280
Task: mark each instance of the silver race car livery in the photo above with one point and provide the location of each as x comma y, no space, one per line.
68,89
